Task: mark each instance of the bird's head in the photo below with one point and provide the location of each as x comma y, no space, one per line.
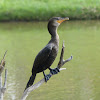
56,21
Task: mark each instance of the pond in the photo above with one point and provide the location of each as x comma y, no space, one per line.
81,80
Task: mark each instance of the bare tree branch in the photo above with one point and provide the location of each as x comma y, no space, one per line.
3,88
60,64
2,64
5,82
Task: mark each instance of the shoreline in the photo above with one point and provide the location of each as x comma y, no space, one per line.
43,10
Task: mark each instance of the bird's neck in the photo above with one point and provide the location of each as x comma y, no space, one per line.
55,40
54,35
53,31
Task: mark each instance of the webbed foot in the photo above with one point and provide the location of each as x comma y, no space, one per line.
46,77
54,71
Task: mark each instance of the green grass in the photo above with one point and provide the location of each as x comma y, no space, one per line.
44,9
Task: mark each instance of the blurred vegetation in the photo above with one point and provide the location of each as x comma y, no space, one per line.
28,10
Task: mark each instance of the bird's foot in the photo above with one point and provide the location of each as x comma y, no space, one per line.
54,71
47,77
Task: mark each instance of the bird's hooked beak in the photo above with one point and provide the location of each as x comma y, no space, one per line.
62,19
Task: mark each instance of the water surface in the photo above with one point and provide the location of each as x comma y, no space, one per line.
81,80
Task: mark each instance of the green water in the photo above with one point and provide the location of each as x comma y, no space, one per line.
81,80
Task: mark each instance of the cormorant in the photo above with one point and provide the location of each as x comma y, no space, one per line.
47,55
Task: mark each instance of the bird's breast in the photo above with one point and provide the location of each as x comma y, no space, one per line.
52,56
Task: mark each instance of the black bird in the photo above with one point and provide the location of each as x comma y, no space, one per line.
47,55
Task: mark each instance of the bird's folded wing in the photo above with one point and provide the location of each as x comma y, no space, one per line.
42,56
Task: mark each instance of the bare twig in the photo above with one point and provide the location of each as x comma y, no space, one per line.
60,64
62,61
4,55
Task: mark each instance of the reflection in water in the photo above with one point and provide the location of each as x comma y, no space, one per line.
24,40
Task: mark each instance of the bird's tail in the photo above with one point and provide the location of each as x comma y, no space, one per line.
31,80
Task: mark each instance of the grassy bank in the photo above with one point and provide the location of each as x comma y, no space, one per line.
44,9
